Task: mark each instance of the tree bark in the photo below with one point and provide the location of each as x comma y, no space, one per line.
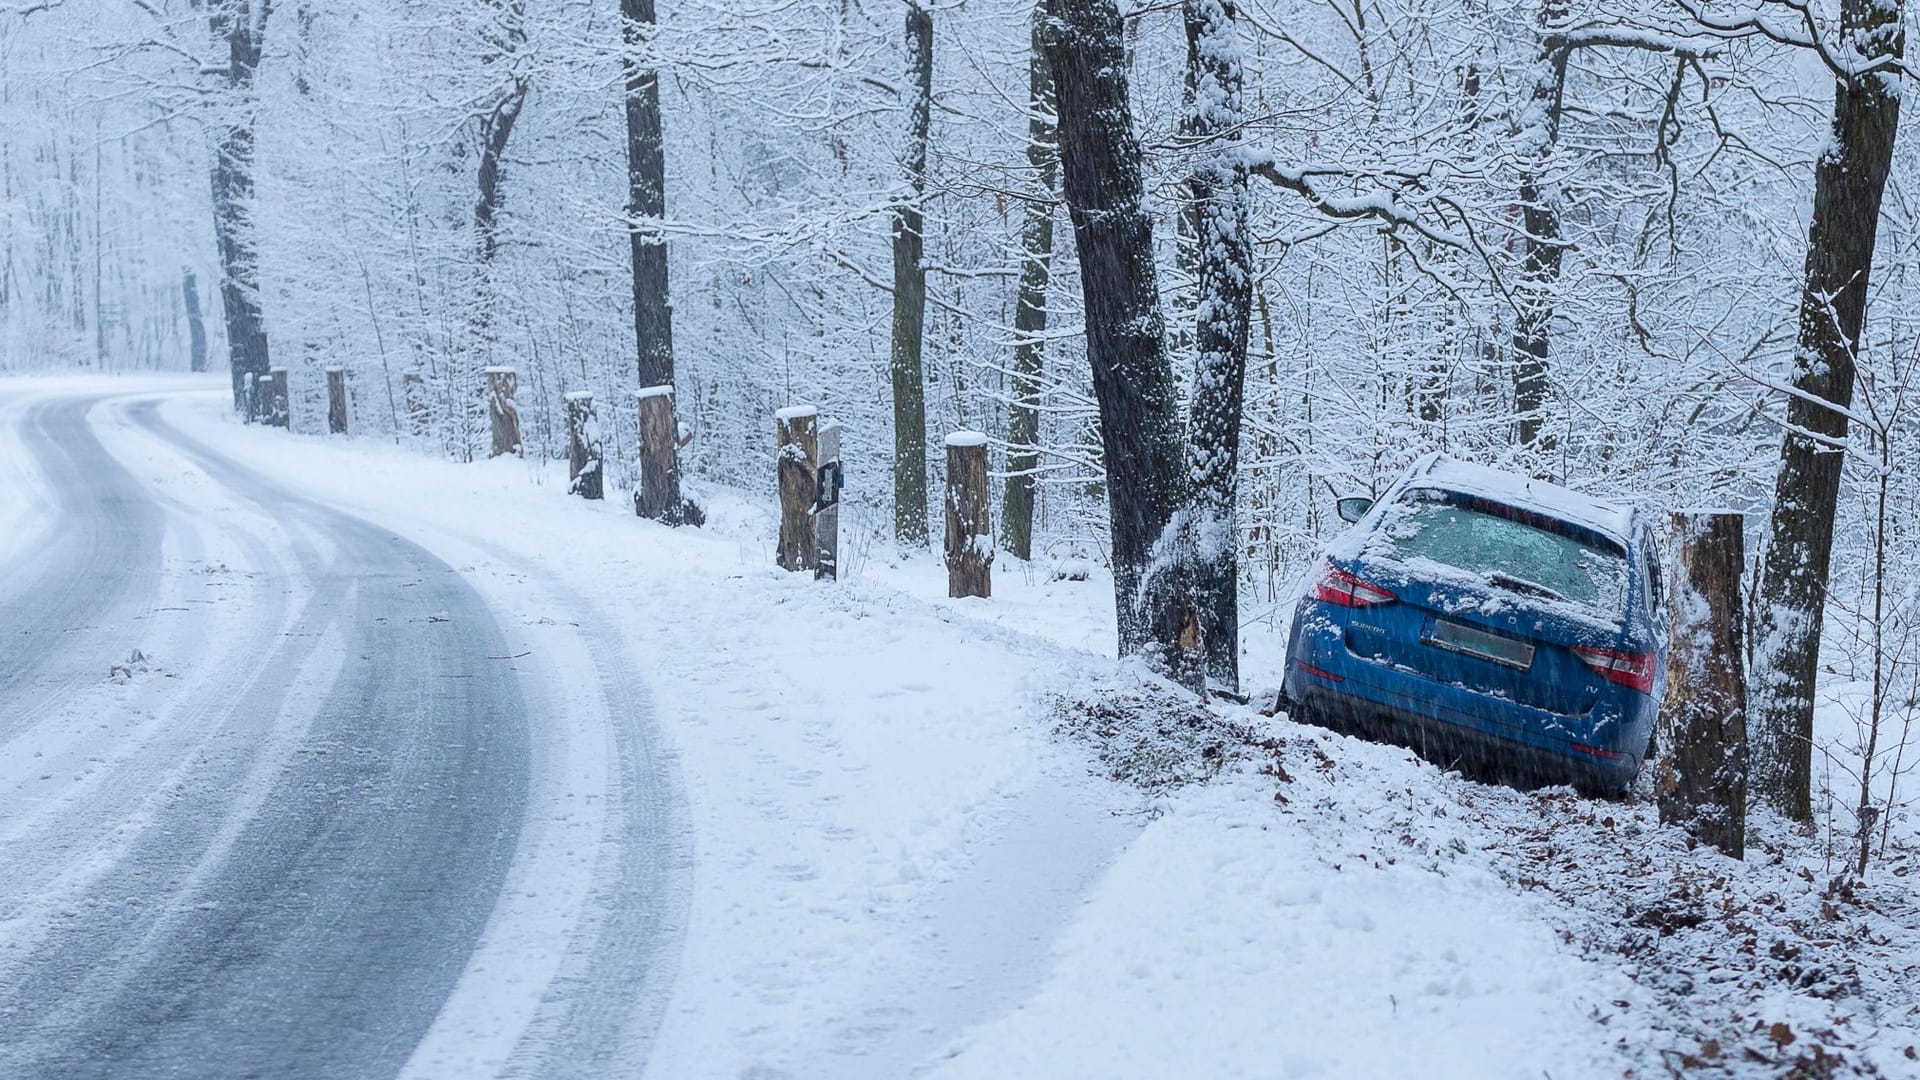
584,462
1030,309
413,390
1848,183
507,37
652,303
797,432
503,410
1224,263
1703,780
336,401
969,545
910,295
659,494
196,324
1541,246
236,24
1126,342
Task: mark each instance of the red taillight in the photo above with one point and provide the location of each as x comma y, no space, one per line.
1336,586
1634,669
1599,752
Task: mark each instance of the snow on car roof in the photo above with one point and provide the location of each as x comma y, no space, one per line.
1526,493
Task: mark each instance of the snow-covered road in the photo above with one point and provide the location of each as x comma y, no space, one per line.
427,770
307,835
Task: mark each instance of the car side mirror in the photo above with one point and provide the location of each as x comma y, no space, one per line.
1355,508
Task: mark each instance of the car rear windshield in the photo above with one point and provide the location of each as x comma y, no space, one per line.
1512,549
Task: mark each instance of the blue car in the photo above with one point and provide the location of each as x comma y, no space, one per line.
1491,621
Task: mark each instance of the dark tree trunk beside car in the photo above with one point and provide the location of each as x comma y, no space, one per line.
1126,348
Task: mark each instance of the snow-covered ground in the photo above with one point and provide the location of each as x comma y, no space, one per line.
895,852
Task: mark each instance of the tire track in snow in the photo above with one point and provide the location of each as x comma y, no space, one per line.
102,551
599,943
316,933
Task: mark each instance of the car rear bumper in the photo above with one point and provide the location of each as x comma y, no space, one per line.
1474,752
1601,751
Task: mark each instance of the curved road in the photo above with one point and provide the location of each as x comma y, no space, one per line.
278,858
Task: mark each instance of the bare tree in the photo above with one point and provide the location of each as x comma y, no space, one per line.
240,27
1126,337
1849,179
910,293
1224,263
1030,309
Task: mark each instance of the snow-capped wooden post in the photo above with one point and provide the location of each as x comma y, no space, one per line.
336,401
658,496
795,429
583,446
503,387
969,528
826,506
1703,777
273,399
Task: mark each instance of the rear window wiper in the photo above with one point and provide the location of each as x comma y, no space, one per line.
1522,585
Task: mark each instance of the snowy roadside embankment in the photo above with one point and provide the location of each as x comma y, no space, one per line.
899,865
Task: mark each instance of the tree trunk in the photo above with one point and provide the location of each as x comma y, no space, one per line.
1225,271
1030,310
796,430
910,295
1126,346
336,401
495,129
235,24
1541,246
1703,781
506,37
503,410
413,390
584,462
196,324
659,495
969,544
652,303
1848,182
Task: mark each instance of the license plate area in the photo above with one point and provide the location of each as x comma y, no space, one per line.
1468,641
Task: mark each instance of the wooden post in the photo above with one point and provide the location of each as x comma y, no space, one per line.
795,430
583,446
413,388
658,496
1703,777
969,526
273,399
503,384
826,506
336,401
